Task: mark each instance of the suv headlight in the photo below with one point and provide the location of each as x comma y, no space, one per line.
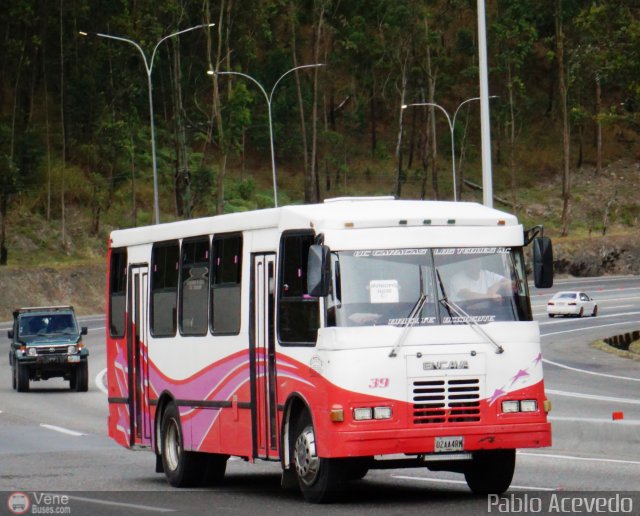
32,352
71,350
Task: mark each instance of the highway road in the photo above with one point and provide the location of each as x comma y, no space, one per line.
54,441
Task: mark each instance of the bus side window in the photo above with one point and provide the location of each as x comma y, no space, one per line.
226,282
194,286
164,288
298,314
117,292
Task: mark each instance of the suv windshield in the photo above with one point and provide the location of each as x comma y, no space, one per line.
381,287
47,324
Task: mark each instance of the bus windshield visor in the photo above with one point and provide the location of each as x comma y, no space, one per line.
459,286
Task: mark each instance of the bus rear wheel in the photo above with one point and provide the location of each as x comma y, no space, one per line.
182,468
491,471
320,480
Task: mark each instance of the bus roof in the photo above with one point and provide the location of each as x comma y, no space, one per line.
341,213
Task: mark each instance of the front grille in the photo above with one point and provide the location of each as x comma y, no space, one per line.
51,350
446,401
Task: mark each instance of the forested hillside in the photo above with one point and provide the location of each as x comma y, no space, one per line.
75,151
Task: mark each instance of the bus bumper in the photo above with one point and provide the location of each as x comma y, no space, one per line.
422,440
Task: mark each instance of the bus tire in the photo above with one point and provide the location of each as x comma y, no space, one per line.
320,480
215,466
356,470
182,468
14,381
22,377
491,471
81,380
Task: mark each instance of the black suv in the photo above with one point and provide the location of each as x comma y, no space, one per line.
46,342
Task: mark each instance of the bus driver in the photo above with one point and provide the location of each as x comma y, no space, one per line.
475,282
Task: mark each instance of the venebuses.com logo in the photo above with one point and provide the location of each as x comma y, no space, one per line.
38,503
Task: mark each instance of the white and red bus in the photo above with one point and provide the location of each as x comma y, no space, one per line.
333,338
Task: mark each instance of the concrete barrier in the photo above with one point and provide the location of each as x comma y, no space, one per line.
624,340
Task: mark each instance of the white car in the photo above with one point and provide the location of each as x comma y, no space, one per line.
572,303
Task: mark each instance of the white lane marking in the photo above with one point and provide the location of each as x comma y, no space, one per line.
572,457
99,381
584,371
62,430
599,421
121,504
595,279
462,482
628,323
593,397
543,311
588,318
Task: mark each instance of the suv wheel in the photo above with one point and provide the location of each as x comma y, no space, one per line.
81,377
22,377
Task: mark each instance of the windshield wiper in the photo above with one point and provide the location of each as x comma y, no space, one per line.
466,318
444,294
411,318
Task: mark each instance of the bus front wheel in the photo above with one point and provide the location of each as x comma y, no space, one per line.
182,468
491,471
320,480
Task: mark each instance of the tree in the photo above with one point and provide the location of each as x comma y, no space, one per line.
516,35
564,108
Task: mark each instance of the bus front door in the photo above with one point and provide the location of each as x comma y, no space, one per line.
137,341
263,359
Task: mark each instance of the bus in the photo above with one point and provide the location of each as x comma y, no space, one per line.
333,338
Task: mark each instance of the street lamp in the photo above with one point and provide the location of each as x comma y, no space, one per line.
268,98
148,65
452,124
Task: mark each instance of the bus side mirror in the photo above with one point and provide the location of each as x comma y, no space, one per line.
542,262
84,330
10,334
318,271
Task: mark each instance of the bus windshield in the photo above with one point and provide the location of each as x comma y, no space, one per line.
459,285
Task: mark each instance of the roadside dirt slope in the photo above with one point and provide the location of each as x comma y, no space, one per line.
80,286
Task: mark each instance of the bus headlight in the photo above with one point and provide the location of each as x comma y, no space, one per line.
72,350
510,406
382,413
528,406
32,352
362,414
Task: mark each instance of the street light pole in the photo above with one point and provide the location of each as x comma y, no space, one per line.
452,125
487,179
268,98
148,66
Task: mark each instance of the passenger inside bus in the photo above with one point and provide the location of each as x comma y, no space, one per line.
475,281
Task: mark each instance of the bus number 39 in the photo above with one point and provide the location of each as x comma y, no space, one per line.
379,383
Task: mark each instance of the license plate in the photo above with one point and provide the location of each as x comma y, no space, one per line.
449,444
73,359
